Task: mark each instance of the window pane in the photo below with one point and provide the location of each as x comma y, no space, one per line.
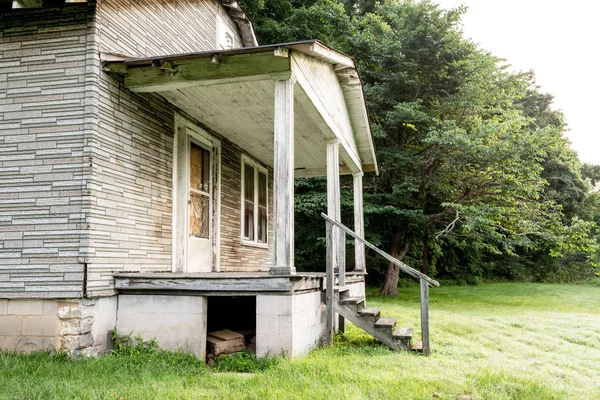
206,170
262,189
199,168
248,220
249,183
262,224
199,210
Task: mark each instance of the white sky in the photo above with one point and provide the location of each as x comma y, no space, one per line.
559,40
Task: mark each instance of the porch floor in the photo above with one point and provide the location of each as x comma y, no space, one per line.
224,283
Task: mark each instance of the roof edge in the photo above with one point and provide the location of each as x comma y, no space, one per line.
243,22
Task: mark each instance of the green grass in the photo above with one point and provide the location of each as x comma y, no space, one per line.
493,341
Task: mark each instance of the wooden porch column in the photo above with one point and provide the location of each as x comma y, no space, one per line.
333,194
338,239
359,222
283,179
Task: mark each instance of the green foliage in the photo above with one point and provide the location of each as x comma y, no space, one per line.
128,345
471,155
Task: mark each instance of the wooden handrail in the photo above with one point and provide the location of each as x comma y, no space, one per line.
409,270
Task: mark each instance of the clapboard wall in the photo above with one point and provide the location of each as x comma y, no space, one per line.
44,168
131,191
157,27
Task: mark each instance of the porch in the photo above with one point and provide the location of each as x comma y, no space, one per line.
297,110
267,100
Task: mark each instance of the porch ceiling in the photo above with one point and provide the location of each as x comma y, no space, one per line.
243,113
232,93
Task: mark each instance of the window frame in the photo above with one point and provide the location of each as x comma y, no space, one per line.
257,167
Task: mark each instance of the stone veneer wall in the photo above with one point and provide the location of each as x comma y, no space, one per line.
44,72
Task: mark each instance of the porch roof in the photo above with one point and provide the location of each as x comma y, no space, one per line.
232,93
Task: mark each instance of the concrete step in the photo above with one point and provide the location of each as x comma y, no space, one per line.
370,313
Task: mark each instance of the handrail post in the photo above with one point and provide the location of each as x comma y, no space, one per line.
342,272
425,316
329,297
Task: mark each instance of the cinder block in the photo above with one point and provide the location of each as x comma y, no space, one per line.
285,327
31,344
10,325
3,306
106,304
40,326
24,307
161,304
49,307
273,346
274,305
9,343
150,317
267,324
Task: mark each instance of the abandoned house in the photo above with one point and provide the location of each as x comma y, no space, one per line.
148,151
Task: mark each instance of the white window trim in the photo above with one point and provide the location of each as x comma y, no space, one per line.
193,133
257,167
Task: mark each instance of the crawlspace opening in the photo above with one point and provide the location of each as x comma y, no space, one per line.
231,323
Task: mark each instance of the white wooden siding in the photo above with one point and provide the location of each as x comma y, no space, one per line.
155,27
320,83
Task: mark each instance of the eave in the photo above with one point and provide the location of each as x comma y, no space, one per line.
181,72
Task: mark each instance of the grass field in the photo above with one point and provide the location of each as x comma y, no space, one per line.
492,341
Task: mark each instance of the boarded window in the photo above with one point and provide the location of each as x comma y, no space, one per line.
254,207
199,192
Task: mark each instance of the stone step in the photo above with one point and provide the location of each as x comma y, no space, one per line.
369,313
355,303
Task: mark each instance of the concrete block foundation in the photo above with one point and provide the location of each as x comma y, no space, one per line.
178,323
288,325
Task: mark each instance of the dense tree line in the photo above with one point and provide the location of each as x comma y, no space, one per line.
477,178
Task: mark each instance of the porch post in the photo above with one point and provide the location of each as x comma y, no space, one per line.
359,222
283,179
333,194
338,239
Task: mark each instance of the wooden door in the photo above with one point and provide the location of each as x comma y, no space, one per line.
199,252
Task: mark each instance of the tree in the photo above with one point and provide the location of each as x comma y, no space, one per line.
471,155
